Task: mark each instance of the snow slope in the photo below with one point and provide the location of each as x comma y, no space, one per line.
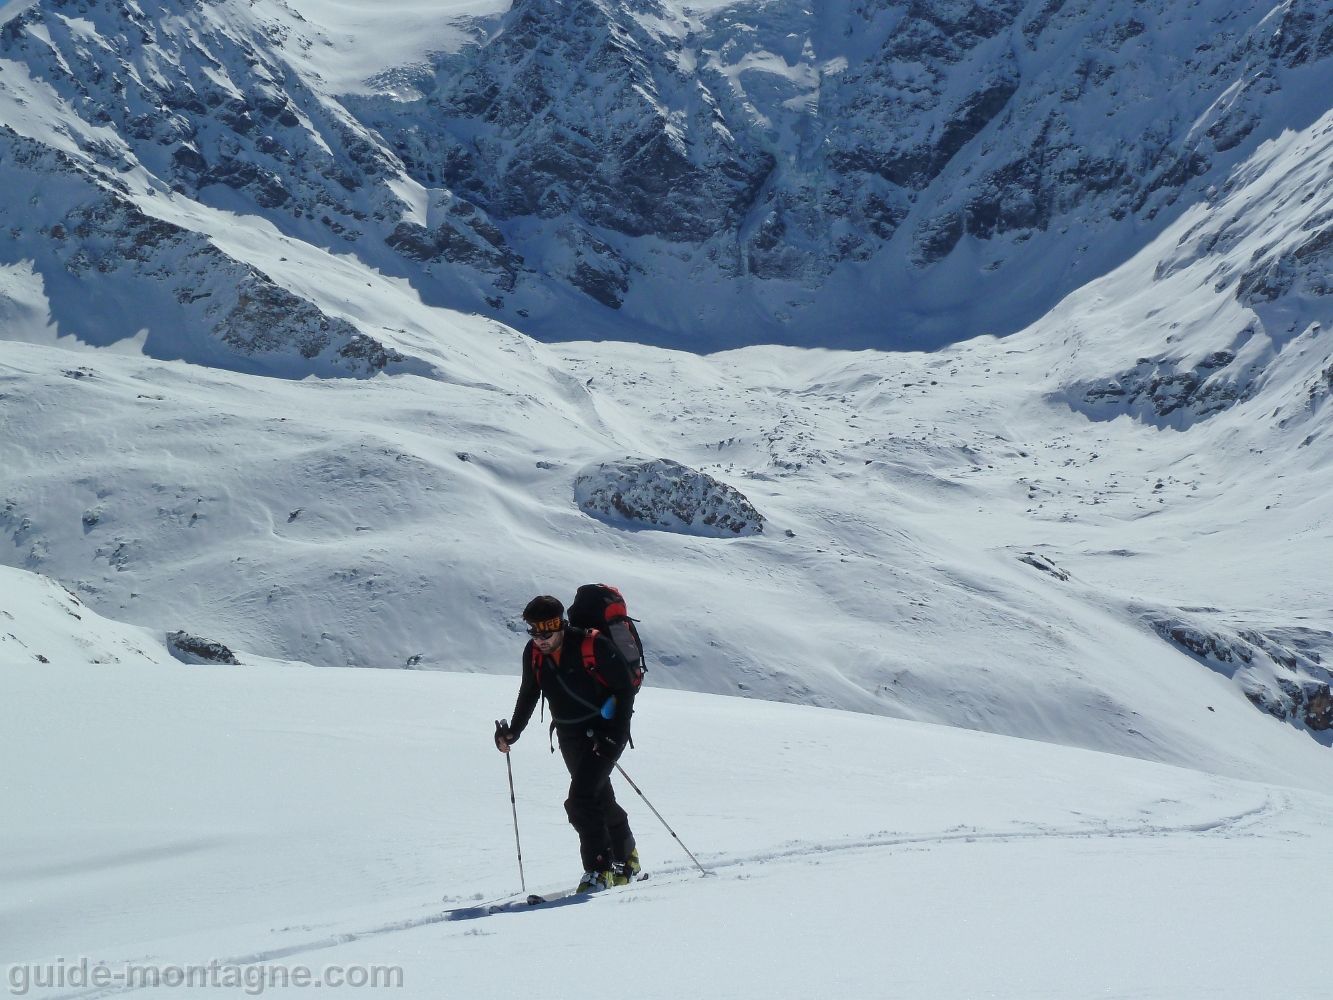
313,816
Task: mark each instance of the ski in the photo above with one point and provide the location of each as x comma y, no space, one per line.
550,897
555,897
558,897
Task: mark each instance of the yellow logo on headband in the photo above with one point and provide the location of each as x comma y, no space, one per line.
550,625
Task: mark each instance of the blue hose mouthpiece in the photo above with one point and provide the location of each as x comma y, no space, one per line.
609,709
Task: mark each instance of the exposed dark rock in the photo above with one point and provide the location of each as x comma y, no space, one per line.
606,287
665,495
936,238
269,319
1319,709
1159,388
193,649
369,350
449,242
188,159
521,99
1304,34
591,265
967,121
1310,264
1204,643
1044,564
263,185
1279,670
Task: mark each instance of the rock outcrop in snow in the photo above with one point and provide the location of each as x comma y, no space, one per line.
667,496
1281,672
194,649
108,270
1159,387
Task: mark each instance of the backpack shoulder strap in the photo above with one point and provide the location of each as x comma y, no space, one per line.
537,662
590,653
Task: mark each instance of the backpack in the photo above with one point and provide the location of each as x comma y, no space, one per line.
599,607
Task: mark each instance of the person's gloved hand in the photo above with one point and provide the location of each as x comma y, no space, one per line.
606,745
504,736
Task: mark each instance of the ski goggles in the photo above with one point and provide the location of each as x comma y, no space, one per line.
546,629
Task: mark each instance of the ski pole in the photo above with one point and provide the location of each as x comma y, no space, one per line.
659,816
509,764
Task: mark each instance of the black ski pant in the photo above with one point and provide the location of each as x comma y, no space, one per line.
602,826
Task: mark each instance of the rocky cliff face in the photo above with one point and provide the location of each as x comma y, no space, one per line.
968,161
1281,672
847,172
110,271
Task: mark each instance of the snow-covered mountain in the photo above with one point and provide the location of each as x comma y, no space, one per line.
846,174
1066,534
1088,532
831,174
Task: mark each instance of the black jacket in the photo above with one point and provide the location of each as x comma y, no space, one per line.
571,693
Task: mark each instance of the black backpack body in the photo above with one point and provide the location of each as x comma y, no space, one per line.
602,607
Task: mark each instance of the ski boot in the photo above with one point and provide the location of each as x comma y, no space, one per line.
625,872
594,882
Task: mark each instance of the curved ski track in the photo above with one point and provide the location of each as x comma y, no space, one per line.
1223,825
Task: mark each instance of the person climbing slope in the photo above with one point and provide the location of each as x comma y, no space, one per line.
589,687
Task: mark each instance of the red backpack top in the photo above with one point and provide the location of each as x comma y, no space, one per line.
601,608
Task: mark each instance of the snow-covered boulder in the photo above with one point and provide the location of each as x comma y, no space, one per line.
667,496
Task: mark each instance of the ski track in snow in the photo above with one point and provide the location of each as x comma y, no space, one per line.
1276,802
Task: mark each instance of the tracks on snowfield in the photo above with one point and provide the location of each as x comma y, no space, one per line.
1222,825
1275,803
